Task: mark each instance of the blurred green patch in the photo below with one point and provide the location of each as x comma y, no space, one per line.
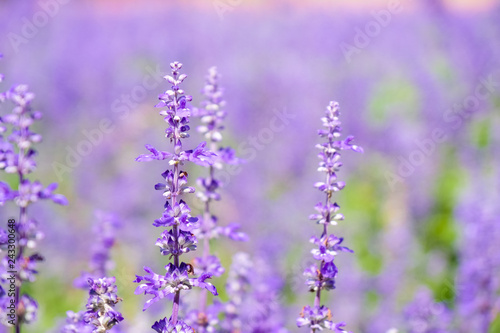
480,133
439,231
394,95
54,299
361,196
495,325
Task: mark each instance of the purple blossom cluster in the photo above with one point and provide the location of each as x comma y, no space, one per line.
212,114
478,279
100,315
178,237
321,276
17,157
424,99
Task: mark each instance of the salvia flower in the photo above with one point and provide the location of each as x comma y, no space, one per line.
321,277
179,236
100,306
75,323
319,318
212,114
253,306
17,156
100,315
164,326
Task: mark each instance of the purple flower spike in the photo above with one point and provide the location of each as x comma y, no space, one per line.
211,114
180,234
17,157
321,277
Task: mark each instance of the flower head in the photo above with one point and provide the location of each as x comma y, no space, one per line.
100,305
167,326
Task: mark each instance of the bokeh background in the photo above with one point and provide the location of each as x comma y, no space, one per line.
418,88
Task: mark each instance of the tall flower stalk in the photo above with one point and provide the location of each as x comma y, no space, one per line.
177,238
17,157
212,116
321,276
100,315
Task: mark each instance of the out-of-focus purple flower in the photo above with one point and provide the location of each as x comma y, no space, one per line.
100,264
211,114
100,305
75,323
254,301
17,155
424,315
207,321
100,315
27,309
30,192
6,193
210,264
479,264
4,236
322,277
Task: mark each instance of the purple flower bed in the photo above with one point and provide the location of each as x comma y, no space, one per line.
224,244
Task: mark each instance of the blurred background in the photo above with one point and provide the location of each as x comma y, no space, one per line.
418,82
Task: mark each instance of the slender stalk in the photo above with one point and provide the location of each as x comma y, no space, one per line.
175,190
22,220
206,240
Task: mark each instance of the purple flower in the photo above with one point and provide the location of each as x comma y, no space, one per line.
328,247
180,236
100,315
28,309
253,291
200,155
186,242
211,114
174,280
155,155
75,323
100,305
205,321
32,192
164,326
319,318
424,315
6,193
210,264
321,277
179,215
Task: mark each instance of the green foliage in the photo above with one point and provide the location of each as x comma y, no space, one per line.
495,325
